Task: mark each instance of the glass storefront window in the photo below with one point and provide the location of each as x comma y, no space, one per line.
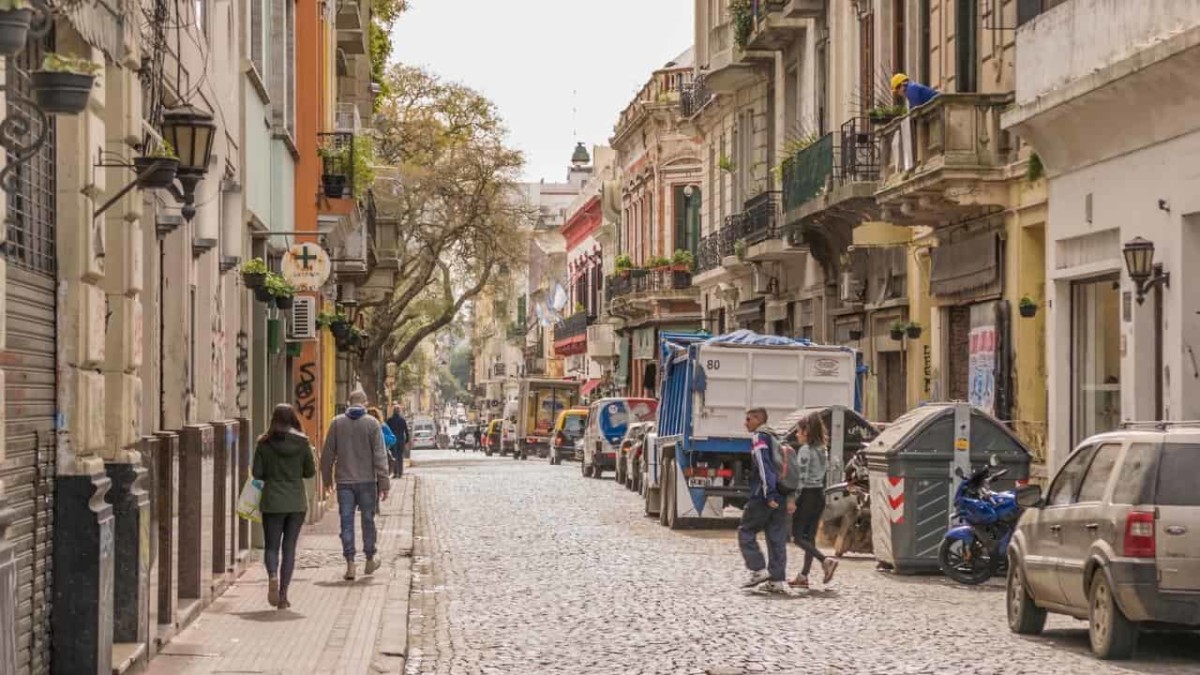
1095,357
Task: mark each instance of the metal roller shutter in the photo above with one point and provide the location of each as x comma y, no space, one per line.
30,393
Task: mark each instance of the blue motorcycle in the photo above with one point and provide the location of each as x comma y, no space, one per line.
972,552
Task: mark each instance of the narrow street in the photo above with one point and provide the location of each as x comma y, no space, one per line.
523,567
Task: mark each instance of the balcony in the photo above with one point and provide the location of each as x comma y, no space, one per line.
337,164
351,27
777,23
570,336
729,67
713,250
601,342
694,96
664,91
946,160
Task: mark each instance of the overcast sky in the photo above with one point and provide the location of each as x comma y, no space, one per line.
539,59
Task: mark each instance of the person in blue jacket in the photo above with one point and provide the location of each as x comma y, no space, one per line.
389,438
765,511
915,93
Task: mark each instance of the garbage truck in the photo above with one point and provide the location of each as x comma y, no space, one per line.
698,464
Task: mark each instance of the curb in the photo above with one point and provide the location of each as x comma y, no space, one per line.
391,652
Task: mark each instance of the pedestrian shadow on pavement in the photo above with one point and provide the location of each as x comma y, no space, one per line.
365,581
270,615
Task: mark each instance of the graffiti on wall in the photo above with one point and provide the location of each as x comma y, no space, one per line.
217,355
305,391
982,367
242,376
928,356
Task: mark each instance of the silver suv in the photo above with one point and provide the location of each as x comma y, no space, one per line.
1115,540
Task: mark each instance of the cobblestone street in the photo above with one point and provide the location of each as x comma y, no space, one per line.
522,567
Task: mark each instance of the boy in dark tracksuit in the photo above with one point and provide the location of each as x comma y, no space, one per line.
764,511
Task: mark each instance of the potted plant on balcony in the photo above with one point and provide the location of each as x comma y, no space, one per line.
913,330
739,249
624,263
64,83
333,171
15,16
165,164
882,114
682,261
725,164
281,290
1027,307
337,323
897,330
254,273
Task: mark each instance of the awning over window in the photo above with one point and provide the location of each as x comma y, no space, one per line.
589,386
750,310
966,265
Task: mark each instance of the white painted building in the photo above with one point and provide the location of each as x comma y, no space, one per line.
1107,95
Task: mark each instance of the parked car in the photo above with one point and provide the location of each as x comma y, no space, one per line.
465,438
629,460
424,433
1115,540
491,437
567,429
608,420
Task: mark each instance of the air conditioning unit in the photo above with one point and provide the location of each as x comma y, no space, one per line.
762,283
304,318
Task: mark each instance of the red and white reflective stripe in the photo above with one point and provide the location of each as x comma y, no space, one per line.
706,472
1022,482
894,489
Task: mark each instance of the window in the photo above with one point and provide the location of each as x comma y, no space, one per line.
1096,480
1177,476
866,62
966,35
899,34
923,57
1066,483
1131,481
257,37
687,218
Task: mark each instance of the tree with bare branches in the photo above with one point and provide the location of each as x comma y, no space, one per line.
450,182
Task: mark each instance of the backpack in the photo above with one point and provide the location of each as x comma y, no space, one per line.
785,462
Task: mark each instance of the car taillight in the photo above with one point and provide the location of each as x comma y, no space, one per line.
1139,534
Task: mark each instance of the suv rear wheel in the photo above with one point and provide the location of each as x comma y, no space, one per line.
1112,635
1024,617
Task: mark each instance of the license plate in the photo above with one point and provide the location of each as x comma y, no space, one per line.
698,482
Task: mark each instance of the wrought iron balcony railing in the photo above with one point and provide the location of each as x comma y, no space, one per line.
693,96
573,326
634,282
849,156
760,219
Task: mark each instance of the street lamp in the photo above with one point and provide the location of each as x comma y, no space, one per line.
190,131
1139,262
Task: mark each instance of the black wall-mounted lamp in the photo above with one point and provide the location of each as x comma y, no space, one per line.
1139,263
190,131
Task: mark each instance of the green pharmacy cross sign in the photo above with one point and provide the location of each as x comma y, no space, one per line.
307,266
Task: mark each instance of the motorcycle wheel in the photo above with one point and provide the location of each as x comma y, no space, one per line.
968,563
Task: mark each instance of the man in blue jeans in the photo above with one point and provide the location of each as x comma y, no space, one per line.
764,511
354,445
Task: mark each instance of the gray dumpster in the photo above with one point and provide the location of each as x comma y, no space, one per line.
911,466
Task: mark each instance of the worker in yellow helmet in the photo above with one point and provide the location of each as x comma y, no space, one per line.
916,94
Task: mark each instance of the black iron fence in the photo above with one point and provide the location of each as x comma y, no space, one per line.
693,96
760,219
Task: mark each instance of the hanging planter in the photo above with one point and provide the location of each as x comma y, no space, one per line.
340,330
1027,307
897,330
14,26
254,274
280,289
161,176
913,331
337,323
261,294
64,84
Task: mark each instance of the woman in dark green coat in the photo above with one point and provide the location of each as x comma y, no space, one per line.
282,460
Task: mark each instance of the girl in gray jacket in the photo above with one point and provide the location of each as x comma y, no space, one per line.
810,500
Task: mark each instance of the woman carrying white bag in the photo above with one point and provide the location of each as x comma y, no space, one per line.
282,460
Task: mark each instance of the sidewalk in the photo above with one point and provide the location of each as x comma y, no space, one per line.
334,626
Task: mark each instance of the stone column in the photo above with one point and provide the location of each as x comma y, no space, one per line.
166,508
245,447
225,445
131,560
83,522
195,517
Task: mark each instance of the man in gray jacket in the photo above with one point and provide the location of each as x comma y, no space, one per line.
354,445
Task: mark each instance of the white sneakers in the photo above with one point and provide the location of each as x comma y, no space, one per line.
776,587
372,565
756,577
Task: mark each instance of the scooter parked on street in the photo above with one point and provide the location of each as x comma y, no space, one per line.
974,551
